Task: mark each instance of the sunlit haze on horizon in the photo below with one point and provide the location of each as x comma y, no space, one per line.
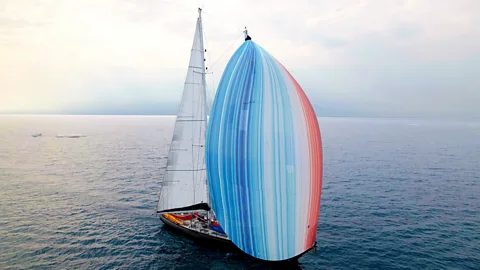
352,58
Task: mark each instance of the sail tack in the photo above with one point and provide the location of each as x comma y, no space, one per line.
184,186
264,157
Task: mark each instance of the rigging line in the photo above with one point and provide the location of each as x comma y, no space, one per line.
202,108
199,112
207,90
197,37
211,93
226,50
204,125
208,51
198,129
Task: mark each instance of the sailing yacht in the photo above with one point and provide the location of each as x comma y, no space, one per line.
184,202
252,177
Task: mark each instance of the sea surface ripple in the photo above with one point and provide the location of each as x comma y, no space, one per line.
397,194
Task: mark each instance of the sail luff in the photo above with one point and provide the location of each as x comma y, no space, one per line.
184,184
204,86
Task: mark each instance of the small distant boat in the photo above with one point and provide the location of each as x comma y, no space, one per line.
71,136
37,135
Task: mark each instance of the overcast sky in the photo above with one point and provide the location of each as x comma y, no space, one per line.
352,57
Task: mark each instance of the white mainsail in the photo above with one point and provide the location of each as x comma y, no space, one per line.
184,187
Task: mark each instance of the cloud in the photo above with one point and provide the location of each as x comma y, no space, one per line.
406,31
366,56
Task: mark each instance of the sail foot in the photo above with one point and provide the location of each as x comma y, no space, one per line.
195,207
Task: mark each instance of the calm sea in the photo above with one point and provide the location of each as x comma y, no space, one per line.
397,194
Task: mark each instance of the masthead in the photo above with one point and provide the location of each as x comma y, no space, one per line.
247,37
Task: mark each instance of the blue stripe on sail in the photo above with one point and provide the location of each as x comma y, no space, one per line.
257,144
239,140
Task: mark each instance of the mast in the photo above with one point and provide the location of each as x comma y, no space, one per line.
204,88
204,97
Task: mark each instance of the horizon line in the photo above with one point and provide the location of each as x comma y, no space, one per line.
321,116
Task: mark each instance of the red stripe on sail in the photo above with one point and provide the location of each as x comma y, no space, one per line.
316,168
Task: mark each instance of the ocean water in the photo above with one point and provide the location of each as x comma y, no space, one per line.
397,194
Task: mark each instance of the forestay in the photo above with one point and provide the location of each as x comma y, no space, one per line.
184,186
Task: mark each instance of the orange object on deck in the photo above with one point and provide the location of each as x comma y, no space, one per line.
172,219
